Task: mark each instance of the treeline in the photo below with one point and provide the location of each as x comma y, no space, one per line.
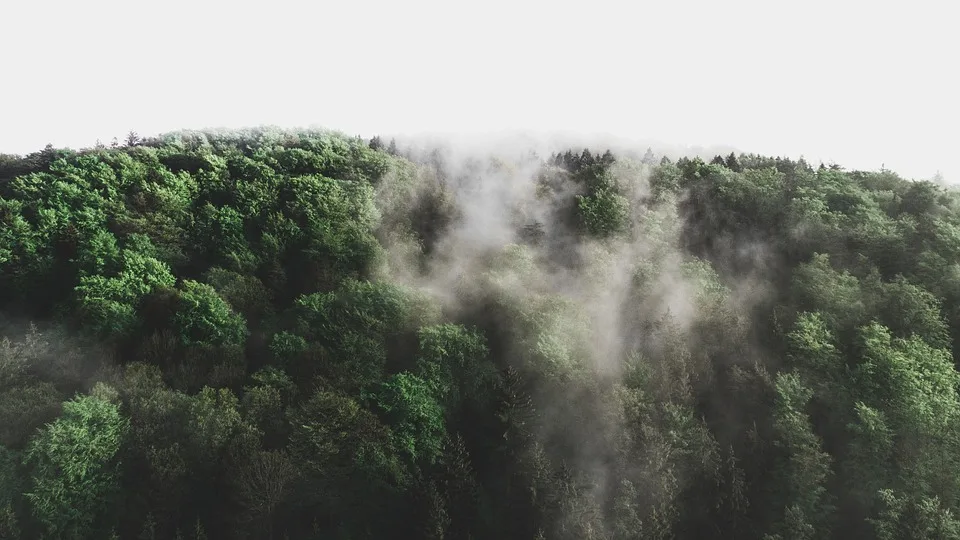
276,334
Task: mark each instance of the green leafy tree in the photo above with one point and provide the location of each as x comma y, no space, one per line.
25,408
109,304
203,317
905,518
73,463
353,480
354,324
805,469
220,230
836,295
916,388
336,219
452,360
604,212
409,405
266,400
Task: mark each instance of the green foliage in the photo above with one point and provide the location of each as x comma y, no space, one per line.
664,181
335,220
286,346
214,417
835,294
203,317
871,448
908,310
332,433
909,374
10,490
221,232
813,352
25,408
74,466
246,294
356,320
604,212
408,404
452,358
265,401
904,518
352,473
108,304
99,255
302,334
803,475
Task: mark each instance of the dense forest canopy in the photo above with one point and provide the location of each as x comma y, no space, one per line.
298,334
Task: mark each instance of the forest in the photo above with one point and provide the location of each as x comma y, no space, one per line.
298,334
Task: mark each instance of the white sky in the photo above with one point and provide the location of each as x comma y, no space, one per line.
856,82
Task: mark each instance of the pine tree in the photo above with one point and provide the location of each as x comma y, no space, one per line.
132,139
733,163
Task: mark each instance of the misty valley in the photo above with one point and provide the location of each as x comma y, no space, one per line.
298,334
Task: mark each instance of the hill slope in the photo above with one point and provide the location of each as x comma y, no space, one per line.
269,334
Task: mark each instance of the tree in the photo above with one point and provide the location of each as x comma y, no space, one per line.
805,468
406,401
901,517
108,304
214,416
921,198
219,237
74,467
732,163
835,294
909,310
353,479
335,220
452,361
265,401
262,484
25,408
356,322
868,465
916,388
160,443
203,317
10,492
607,158
604,213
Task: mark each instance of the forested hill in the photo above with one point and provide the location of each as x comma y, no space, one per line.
269,334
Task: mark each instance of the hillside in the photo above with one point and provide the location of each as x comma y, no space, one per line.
277,334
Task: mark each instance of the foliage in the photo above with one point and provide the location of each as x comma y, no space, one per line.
204,317
74,466
301,334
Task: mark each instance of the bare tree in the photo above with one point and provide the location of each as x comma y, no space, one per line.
261,484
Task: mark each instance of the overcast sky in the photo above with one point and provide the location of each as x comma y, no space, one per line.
859,83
